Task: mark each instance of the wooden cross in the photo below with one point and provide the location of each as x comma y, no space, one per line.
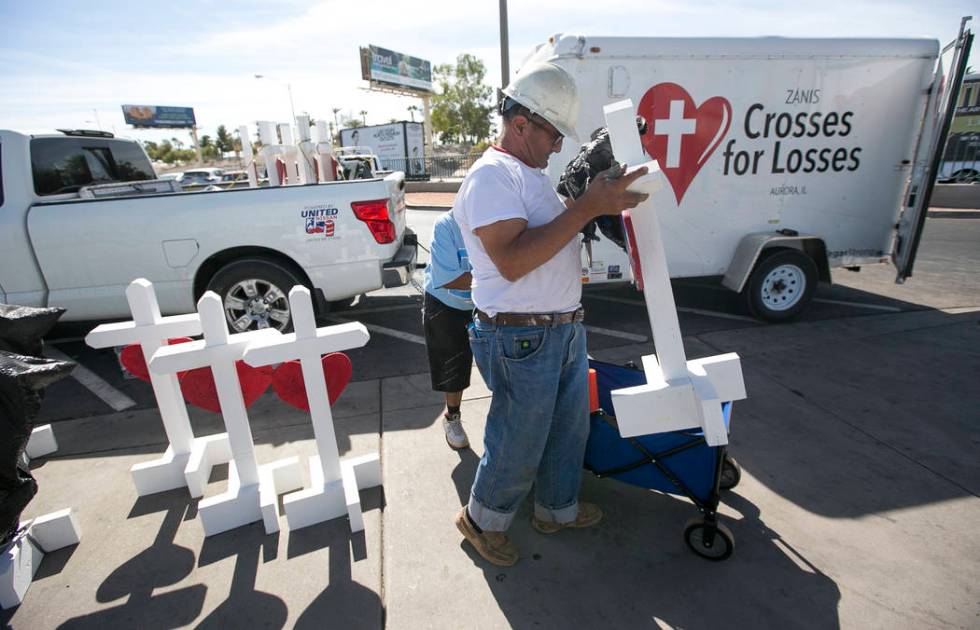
679,394
335,483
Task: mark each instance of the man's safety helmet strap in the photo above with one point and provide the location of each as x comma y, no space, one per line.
548,91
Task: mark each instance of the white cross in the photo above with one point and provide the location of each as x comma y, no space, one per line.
251,493
187,460
679,394
675,128
335,483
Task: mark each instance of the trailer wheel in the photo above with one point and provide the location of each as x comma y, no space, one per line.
254,293
731,473
781,285
713,542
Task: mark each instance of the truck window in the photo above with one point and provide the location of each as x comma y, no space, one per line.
63,165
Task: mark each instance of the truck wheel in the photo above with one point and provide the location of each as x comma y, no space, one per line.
781,285
254,293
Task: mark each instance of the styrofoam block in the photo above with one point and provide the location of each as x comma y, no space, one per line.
237,506
18,564
655,408
206,453
160,475
281,476
367,468
353,499
725,372
315,505
650,183
56,530
41,442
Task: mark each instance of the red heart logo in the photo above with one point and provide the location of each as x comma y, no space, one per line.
133,360
199,389
288,380
681,136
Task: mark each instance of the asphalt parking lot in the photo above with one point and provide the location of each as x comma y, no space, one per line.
947,274
856,506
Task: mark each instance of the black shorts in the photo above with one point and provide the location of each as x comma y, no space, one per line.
448,345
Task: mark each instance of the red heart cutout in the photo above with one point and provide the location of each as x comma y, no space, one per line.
133,360
199,389
288,380
682,139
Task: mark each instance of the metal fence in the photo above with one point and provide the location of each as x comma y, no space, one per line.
961,159
431,167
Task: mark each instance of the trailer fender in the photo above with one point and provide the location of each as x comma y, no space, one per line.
750,249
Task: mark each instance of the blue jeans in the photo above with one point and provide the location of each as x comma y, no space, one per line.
538,422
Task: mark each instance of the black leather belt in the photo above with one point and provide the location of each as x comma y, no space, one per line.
531,319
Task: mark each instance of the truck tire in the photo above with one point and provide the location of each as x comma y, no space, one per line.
255,294
781,285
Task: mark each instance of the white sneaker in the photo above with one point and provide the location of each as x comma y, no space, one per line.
453,426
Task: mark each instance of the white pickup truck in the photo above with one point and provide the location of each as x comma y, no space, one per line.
59,246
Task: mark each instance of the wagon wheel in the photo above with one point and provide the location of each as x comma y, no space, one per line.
713,542
731,473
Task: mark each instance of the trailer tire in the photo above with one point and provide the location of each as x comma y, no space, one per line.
781,285
254,294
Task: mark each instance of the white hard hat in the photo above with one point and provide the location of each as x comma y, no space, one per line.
548,91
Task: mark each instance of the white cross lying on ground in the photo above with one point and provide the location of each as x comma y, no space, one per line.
679,394
335,483
252,492
188,460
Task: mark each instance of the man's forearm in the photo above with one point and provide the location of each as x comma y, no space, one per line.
462,282
517,250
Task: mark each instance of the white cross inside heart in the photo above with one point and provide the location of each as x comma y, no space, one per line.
675,128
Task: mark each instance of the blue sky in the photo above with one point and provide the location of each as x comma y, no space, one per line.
63,63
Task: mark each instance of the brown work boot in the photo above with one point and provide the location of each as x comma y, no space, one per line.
494,546
588,515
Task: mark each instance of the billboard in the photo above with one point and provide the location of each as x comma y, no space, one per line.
399,146
159,116
387,66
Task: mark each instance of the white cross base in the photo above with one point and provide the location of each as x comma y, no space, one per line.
42,442
324,501
240,505
334,483
252,490
679,394
20,561
151,331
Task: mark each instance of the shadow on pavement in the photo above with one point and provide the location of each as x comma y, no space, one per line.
633,571
160,565
244,602
344,603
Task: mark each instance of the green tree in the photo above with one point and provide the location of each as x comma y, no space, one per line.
224,141
461,110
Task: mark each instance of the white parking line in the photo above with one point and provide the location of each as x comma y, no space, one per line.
683,309
93,382
877,307
381,330
616,333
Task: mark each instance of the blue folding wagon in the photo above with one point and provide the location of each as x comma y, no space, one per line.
677,462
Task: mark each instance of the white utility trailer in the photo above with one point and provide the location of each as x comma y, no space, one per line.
787,157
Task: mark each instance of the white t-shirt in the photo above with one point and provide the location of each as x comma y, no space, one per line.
499,187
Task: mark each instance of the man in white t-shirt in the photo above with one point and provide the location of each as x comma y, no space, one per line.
527,336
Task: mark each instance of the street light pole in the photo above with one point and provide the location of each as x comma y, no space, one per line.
504,47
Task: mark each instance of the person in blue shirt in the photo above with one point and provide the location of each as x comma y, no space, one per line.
446,313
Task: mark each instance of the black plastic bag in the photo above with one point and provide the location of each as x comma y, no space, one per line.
21,327
594,157
22,382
